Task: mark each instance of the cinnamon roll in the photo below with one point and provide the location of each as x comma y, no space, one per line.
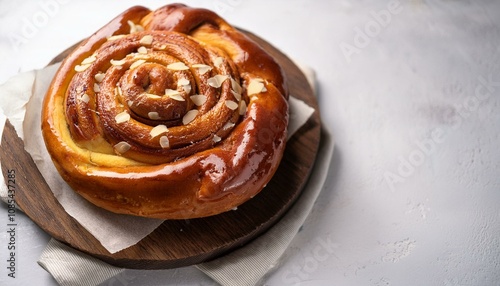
170,114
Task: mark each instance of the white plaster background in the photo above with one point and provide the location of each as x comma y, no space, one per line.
414,192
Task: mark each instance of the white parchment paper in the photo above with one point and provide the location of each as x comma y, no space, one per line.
21,101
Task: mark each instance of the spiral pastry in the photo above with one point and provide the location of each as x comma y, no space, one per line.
171,114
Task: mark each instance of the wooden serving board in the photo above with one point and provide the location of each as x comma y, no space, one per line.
177,243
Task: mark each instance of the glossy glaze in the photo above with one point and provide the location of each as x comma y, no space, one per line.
212,164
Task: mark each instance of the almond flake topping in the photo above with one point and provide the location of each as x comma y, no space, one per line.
236,86
202,68
218,61
256,86
85,98
185,84
153,115
99,77
174,94
171,92
134,27
116,37
164,142
178,66
231,104
189,116
146,40
118,91
157,130
122,147
183,81
80,68
198,99
89,60
130,103
243,107
152,96
217,138
137,63
236,95
118,62
177,97
228,125
122,117
142,50
217,80
97,88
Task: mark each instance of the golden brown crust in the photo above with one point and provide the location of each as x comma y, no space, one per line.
177,115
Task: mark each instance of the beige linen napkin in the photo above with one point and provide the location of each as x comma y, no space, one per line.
245,266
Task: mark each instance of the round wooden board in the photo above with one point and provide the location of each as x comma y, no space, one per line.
178,243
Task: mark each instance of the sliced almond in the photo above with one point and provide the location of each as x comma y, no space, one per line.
255,86
85,98
231,104
146,40
142,50
217,80
185,84
122,117
198,99
236,95
157,130
122,147
132,26
89,60
228,125
243,107
164,142
174,94
118,62
177,97
236,86
183,81
178,66
135,27
171,92
203,69
137,63
153,115
118,91
116,37
187,88
189,116
218,61
99,77
152,96
216,138
80,68
139,28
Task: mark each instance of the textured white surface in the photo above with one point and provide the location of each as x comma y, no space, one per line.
414,107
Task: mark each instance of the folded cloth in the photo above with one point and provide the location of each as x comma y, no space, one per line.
245,266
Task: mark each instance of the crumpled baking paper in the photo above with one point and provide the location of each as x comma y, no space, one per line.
21,103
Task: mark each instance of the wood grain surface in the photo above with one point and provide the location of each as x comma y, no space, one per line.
177,243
